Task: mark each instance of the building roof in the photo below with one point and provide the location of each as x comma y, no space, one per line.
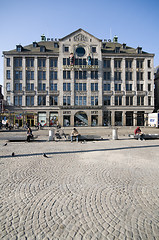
51,47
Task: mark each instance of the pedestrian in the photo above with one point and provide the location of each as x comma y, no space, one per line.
29,134
139,133
75,134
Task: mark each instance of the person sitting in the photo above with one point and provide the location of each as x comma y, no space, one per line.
138,133
74,134
29,134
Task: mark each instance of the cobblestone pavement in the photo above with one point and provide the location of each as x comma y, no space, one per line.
95,190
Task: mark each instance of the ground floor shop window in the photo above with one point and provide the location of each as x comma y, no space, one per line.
118,118
66,121
129,118
80,119
140,118
107,118
94,120
42,119
53,118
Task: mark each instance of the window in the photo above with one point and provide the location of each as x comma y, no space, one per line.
30,62
41,100
8,100
41,62
107,100
94,74
139,76
148,63
8,74
128,76
42,49
66,61
53,75
8,87
17,62
53,100
41,86
53,62
149,75
80,75
106,63
18,75
118,100
117,75
139,87
19,48
66,75
80,100
94,100
129,100
8,62
30,100
94,86
139,63
53,86
30,86
117,87
117,49
66,100
66,49
56,45
117,63
94,49
128,63
30,75
80,87
149,100
66,86
106,76
18,100
128,87
140,100
41,75
149,87
107,87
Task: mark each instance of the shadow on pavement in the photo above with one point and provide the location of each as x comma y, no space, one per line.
80,151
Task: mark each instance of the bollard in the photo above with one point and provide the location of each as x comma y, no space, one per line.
51,135
114,133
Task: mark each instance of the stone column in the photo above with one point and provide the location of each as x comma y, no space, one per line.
47,81
134,81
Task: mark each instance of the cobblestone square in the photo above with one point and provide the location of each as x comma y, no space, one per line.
94,190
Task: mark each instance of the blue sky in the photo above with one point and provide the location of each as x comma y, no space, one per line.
134,22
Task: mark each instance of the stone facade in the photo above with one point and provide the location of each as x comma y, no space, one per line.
79,80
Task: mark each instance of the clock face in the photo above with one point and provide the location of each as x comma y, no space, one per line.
80,51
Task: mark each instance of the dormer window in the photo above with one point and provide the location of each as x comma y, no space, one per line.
56,45
35,44
124,45
117,49
19,48
42,49
139,50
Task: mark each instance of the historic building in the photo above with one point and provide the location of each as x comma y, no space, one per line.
79,80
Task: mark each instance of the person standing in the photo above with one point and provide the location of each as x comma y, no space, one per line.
29,134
